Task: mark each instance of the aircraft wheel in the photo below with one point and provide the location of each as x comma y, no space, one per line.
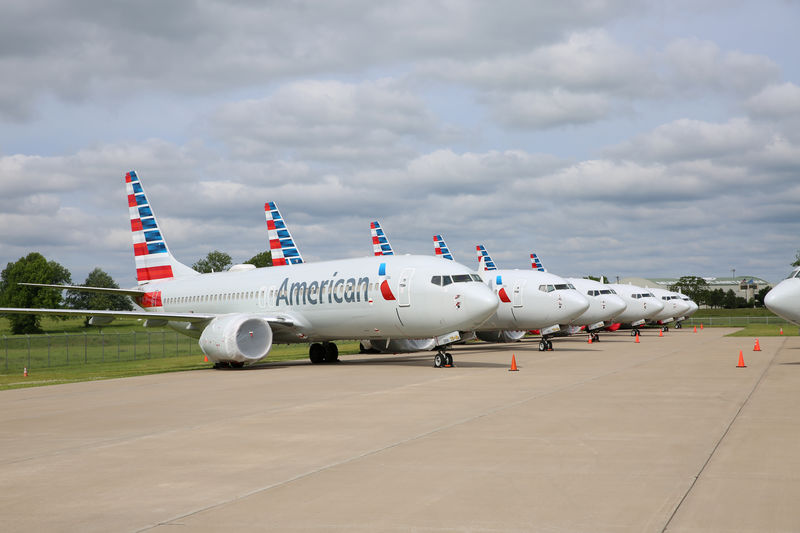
549,344
678,325
236,364
448,359
316,352
634,332
542,345
665,329
331,352
438,360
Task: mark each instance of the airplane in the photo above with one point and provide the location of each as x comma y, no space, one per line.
538,300
784,298
641,306
604,304
674,308
237,315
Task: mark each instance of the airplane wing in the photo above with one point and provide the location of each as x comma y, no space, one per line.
156,318
83,288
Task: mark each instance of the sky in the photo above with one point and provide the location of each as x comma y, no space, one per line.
612,137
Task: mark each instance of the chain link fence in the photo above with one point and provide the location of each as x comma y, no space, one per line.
736,321
44,351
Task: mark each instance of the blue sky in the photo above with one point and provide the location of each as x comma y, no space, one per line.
611,137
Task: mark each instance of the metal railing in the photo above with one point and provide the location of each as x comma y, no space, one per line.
44,351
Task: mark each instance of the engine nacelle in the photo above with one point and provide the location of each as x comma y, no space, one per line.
239,338
500,335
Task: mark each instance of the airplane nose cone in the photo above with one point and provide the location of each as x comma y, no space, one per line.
573,305
781,301
615,305
481,303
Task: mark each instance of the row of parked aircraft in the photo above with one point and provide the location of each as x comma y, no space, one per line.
393,303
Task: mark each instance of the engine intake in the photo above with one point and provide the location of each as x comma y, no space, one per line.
239,338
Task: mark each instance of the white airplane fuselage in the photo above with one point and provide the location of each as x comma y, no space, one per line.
530,299
640,305
784,298
343,299
674,306
604,305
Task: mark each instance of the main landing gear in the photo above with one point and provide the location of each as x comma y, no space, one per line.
545,345
634,332
323,352
595,337
442,359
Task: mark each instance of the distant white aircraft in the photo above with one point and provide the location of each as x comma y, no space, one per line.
604,304
675,308
642,305
237,315
784,298
529,299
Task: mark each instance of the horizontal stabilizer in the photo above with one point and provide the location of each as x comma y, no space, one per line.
82,288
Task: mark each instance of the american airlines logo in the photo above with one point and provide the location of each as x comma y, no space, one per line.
330,291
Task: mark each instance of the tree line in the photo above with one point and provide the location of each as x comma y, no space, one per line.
35,268
698,290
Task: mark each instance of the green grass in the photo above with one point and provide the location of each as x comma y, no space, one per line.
55,325
128,368
765,330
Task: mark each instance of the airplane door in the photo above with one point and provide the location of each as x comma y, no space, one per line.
404,292
516,296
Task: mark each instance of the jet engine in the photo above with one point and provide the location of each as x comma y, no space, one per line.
236,339
500,335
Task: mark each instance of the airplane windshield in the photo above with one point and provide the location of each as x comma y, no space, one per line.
562,287
794,274
457,278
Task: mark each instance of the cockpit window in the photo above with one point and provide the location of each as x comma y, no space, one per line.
461,278
446,280
477,278
436,280
562,287
571,286
546,288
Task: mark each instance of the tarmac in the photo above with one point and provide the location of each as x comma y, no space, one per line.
614,436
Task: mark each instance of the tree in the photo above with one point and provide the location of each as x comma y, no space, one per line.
215,261
796,261
264,259
93,300
729,302
33,268
694,287
760,295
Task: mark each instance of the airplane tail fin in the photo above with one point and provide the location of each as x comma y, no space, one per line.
440,248
153,259
484,260
380,244
536,264
281,243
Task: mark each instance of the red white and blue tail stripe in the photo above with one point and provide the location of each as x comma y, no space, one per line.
440,248
484,260
281,243
536,264
153,259
380,244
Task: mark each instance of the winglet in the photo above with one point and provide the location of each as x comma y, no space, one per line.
281,243
484,260
153,259
380,244
440,248
536,264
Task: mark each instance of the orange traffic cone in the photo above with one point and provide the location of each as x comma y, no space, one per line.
695,329
637,336
741,361
513,364
757,347
205,359
701,325
661,333
25,372
781,331
590,339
